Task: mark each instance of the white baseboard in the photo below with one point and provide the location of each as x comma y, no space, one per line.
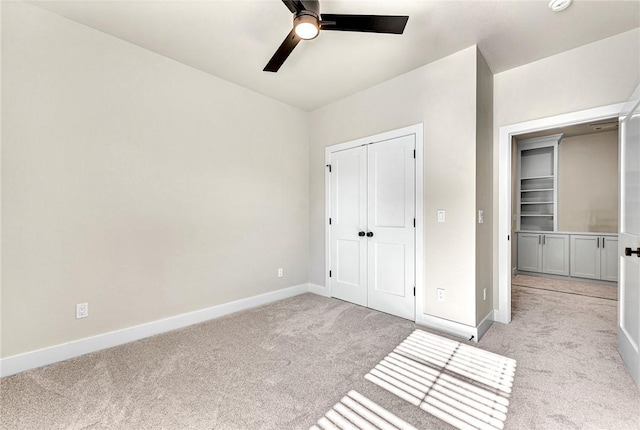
42,357
484,325
319,290
455,328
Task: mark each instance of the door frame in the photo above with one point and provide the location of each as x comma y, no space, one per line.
418,131
503,313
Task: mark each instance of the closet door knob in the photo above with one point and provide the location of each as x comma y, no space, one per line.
361,233
629,251
369,234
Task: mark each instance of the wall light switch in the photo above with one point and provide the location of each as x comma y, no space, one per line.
440,215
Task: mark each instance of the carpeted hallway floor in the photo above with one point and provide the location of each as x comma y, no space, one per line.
282,366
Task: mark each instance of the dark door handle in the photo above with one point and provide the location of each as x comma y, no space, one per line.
629,251
361,233
369,234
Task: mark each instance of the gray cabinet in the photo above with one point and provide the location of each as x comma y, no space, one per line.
594,257
609,259
543,253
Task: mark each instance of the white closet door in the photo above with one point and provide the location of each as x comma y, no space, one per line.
391,212
348,218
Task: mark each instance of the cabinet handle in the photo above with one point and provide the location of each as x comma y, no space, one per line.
598,243
539,239
369,234
361,233
544,239
603,243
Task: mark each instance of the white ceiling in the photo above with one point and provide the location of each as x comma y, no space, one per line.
234,39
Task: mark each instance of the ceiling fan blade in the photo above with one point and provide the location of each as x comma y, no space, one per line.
283,52
294,5
365,23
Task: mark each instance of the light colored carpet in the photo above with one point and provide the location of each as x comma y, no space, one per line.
284,365
464,386
356,412
609,292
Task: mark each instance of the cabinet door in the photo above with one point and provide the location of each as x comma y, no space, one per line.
555,254
529,252
609,258
585,256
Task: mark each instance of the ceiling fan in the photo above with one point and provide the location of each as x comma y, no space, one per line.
307,23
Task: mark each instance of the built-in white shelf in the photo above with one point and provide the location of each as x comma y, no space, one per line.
538,183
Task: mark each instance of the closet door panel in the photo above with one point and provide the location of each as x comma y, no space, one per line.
348,218
391,212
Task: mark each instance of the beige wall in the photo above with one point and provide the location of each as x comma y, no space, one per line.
484,165
598,74
588,183
442,95
134,183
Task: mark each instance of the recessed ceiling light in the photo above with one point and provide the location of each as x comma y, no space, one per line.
559,5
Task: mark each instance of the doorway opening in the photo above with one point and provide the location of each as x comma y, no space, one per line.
508,208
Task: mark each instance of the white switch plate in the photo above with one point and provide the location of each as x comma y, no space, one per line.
440,215
484,294
480,216
440,294
280,273
82,310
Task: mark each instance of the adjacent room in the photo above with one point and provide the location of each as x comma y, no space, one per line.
274,214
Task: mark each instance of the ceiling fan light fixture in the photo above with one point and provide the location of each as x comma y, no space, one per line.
559,5
306,27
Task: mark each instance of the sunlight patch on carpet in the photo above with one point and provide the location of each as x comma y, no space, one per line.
356,412
465,386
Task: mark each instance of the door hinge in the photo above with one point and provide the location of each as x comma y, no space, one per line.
329,221
329,273
414,291
414,153
329,166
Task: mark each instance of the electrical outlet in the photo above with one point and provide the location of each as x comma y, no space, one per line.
280,273
82,310
480,216
440,294
484,294
441,215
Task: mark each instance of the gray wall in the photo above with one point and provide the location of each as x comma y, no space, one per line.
134,183
484,198
442,95
598,74
588,183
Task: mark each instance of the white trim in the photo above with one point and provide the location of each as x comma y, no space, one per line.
484,325
447,326
503,313
418,131
319,290
42,357
457,329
